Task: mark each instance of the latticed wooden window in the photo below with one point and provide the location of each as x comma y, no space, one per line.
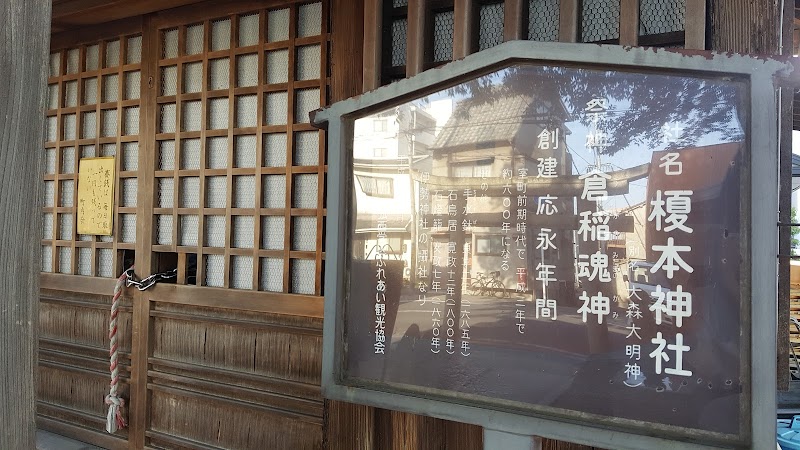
93,110
241,172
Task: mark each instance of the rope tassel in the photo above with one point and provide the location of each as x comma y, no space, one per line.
115,418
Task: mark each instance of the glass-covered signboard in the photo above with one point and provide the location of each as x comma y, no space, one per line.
555,240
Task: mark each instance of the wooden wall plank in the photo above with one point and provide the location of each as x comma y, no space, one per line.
695,25
569,25
745,26
629,22
415,49
23,63
463,28
373,43
140,331
514,20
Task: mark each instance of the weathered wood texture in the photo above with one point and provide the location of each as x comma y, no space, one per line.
23,54
745,26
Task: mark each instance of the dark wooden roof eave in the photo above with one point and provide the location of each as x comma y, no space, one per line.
73,14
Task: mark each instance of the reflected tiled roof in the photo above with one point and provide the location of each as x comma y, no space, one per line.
496,120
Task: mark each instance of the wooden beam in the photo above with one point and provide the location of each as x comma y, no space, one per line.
695,25
23,63
373,42
569,25
77,13
415,50
629,22
513,19
743,26
463,28
140,333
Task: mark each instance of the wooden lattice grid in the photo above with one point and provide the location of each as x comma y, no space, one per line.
233,135
93,110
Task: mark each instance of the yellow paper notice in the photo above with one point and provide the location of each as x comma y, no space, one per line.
96,196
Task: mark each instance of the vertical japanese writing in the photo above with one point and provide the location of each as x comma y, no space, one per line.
380,288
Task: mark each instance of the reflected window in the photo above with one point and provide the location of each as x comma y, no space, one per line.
376,187
379,125
478,169
491,245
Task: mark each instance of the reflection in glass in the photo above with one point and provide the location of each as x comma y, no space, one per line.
554,237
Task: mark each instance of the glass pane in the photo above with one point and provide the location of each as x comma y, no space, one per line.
574,218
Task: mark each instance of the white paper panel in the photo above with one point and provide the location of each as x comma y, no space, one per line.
216,192
68,160
169,80
134,54
64,260
92,57
108,127
247,70
272,232
131,124
304,191
220,35
244,191
248,30
164,229
133,85
105,262
168,118
73,56
191,116
112,53
241,272
308,62
189,194
89,125
194,39
110,88
309,21
246,111
215,231
166,192
306,148
108,150
278,25
52,95
47,226
218,113
51,133
128,228
130,156
304,233
271,274
85,261
65,227
215,270
192,77
70,94
49,193
67,195
219,74
243,231
47,258
166,151
303,272
276,107
170,44
277,66
55,64
275,150
217,153
50,161
244,151
189,226
68,127
90,91
306,100
274,191
190,154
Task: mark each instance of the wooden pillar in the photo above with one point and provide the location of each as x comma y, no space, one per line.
629,23
23,64
513,20
463,29
373,41
415,49
695,25
569,23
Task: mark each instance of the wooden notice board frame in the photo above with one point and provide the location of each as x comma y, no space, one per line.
759,287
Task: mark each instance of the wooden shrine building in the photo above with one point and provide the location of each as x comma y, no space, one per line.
219,174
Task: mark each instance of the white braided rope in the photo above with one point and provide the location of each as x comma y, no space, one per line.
115,419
